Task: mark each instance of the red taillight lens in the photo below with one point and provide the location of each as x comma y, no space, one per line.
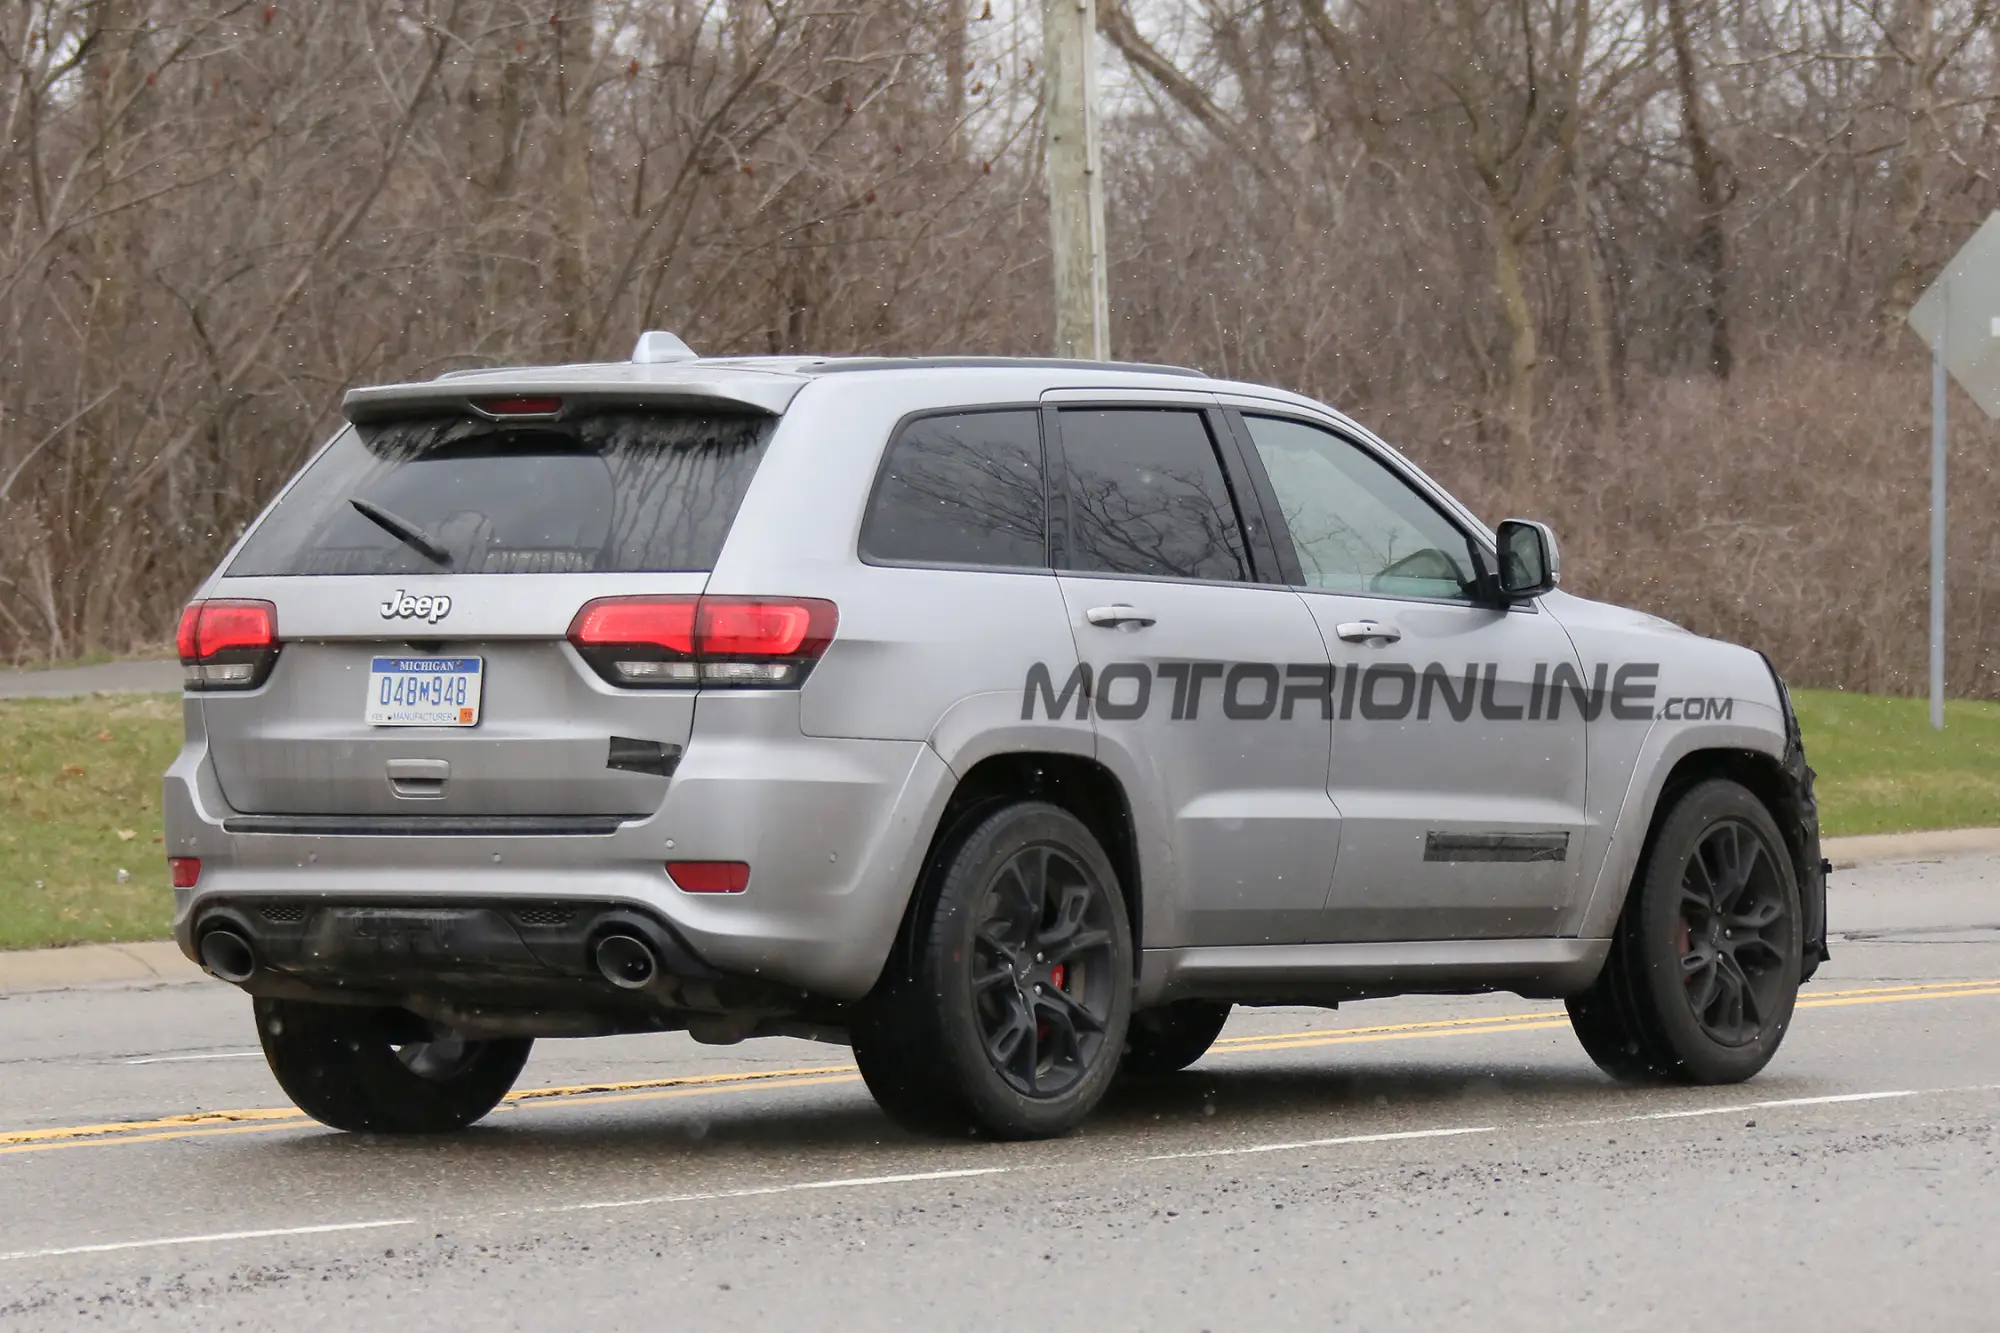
710,876
186,871
666,623
228,643
712,641
752,627
235,627
185,639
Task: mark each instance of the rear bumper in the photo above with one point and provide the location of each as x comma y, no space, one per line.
834,832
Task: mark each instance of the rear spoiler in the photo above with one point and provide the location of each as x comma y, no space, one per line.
689,386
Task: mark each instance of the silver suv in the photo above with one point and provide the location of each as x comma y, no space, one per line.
1008,719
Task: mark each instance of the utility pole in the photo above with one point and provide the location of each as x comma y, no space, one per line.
1076,178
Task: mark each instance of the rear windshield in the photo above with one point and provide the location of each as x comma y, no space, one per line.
610,491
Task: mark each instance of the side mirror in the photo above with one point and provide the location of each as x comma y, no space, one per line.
1529,564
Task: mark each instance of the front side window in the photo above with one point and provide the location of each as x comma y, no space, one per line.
1357,526
964,489
602,491
1147,496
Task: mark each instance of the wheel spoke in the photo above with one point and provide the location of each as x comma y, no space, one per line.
986,981
990,936
1083,942
1698,884
1065,1043
1758,915
1017,897
1070,912
1014,1041
1746,994
1730,1020
1071,1012
1706,983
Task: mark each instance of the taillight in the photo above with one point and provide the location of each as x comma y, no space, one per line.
186,871
228,643
662,642
710,876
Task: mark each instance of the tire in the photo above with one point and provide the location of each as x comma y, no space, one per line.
343,1076
1003,1010
1168,1039
1705,963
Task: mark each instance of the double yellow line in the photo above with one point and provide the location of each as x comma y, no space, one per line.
258,1120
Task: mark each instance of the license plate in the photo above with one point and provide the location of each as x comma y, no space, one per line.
424,691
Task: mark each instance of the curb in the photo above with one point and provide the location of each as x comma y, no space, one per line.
160,962
151,962
1878,848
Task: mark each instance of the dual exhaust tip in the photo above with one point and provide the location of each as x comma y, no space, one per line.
228,955
624,960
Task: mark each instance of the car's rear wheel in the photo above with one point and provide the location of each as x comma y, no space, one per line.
346,1072
1171,1037
1704,969
1004,1009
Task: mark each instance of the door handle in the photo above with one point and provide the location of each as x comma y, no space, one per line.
1368,631
1118,617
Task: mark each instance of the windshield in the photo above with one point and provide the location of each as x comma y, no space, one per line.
609,491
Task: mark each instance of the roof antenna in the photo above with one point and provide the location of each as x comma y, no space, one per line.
658,347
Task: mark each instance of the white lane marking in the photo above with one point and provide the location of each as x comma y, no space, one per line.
842,1182
213,1238
1325,1143
1774,1105
176,1059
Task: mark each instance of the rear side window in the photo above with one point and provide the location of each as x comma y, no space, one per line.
609,491
1147,496
964,489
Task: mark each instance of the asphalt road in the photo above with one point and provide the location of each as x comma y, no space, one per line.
1434,1163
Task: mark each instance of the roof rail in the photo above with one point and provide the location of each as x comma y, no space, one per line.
843,364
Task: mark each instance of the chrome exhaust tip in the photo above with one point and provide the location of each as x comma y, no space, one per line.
626,961
228,955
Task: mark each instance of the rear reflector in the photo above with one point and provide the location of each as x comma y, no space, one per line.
186,871
710,876
227,643
661,642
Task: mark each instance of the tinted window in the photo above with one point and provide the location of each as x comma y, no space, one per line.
1147,496
1358,527
962,490
606,491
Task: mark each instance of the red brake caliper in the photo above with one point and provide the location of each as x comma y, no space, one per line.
1056,977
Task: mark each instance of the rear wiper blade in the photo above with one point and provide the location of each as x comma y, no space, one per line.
402,530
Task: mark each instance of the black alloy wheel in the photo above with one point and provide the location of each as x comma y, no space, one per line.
1003,1009
1734,933
1043,977
1704,965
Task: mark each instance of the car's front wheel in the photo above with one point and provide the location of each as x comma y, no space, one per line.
1004,1010
1704,969
344,1072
